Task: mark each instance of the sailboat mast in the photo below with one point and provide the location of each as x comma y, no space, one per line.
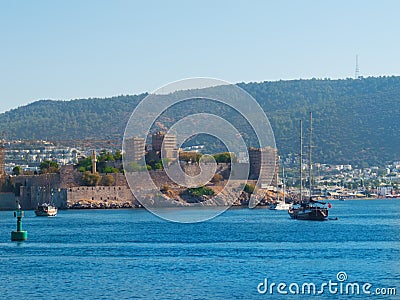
301,161
277,190
283,182
310,166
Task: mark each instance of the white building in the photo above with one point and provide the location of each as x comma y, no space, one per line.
384,190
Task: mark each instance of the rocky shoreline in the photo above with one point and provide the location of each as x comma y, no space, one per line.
101,205
165,201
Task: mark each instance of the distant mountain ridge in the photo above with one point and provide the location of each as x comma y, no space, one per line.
355,121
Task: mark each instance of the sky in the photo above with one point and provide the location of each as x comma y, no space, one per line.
81,48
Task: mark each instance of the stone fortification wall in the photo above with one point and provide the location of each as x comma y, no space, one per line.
65,189
52,180
33,195
119,179
160,179
70,177
7,201
100,197
34,189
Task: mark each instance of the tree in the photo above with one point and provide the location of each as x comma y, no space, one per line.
17,170
108,180
158,165
90,179
105,156
109,169
49,167
225,157
85,164
189,156
118,155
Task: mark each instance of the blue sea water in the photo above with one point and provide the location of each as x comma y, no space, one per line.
132,254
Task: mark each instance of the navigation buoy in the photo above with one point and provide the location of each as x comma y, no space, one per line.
19,234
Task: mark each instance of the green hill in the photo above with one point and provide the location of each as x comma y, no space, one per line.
355,121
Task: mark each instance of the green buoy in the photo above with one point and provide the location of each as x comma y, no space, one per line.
19,235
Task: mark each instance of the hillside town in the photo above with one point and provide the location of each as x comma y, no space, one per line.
24,160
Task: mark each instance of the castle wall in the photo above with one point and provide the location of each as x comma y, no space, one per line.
65,188
99,194
7,201
34,189
36,195
69,177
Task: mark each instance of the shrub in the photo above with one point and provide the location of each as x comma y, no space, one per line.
200,191
249,188
108,180
90,179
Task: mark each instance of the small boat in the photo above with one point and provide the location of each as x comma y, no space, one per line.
47,207
280,204
46,210
342,198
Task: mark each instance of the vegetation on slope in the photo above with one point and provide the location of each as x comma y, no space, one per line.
355,121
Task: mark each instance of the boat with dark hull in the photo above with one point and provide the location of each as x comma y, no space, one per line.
308,209
312,210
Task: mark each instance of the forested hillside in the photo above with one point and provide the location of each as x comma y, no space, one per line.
355,121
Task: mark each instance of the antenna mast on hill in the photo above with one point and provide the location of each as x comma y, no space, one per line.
2,155
357,73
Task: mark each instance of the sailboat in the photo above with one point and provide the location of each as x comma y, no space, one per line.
46,209
280,205
308,209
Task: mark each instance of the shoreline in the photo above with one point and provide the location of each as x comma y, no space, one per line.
132,207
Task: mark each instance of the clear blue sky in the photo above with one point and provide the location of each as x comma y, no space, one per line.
77,49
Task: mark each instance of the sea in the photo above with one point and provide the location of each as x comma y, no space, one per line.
240,254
